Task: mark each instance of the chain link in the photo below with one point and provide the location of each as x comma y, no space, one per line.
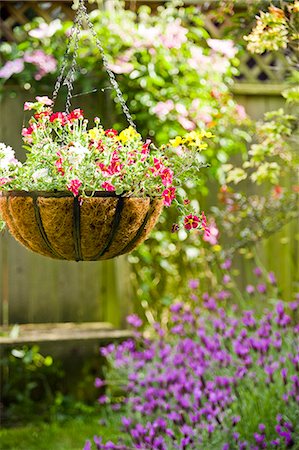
74,31
69,78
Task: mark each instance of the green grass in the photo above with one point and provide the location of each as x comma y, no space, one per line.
68,435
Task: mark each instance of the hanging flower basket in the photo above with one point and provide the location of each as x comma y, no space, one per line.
88,194
62,226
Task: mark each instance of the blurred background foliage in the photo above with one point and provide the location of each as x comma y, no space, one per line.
175,78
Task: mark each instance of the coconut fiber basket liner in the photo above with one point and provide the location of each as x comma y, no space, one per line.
58,225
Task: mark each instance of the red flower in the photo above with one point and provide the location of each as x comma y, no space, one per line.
111,132
191,221
114,167
158,167
74,186
60,117
100,146
38,116
27,131
145,149
166,176
58,164
75,115
277,192
108,186
204,224
169,195
4,181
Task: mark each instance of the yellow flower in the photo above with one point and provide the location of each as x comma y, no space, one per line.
128,134
195,138
217,248
176,141
95,133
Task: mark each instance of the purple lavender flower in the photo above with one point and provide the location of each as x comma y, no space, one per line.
98,382
193,284
103,399
262,288
262,427
226,279
272,278
134,321
226,265
257,272
250,289
235,420
105,351
87,445
223,295
294,306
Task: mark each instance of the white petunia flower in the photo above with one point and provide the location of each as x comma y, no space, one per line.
41,174
7,157
76,153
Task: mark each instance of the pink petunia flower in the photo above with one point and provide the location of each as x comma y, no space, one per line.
212,236
191,221
108,186
74,186
168,195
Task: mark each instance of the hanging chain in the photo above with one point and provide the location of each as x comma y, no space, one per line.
69,78
74,32
111,75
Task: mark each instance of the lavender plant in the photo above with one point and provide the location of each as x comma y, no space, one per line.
211,375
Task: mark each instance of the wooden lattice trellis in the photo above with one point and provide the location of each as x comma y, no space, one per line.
254,69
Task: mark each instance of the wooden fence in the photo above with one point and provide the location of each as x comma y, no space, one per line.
36,289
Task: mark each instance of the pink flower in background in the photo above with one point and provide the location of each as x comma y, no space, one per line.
212,236
174,35
74,186
44,63
241,113
122,64
181,109
186,123
121,67
12,67
202,113
220,64
198,60
163,108
46,30
224,46
44,100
